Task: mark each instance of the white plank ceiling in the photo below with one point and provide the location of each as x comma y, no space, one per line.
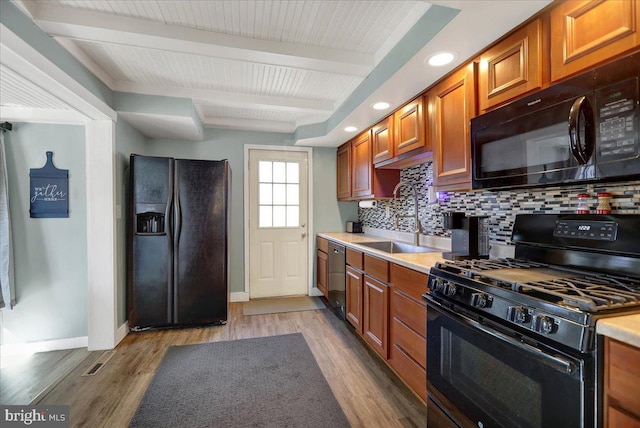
251,64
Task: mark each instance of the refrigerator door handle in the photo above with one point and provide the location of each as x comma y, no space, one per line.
169,221
177,218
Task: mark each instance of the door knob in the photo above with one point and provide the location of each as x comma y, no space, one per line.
303,224
304,234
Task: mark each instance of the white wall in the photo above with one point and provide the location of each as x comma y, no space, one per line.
50,254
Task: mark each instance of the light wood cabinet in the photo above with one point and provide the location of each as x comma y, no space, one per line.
354,281
408,329
382,140
512,67
376,315
322,265
586,33
452,104
344,171
622,385
409,129
357,177
361,167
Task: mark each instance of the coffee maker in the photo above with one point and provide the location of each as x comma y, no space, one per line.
469,236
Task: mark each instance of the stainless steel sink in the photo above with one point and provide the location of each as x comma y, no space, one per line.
397,247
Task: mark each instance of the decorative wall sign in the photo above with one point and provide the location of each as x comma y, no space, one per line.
49,191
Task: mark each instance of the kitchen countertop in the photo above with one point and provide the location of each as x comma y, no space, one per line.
420,262
624,328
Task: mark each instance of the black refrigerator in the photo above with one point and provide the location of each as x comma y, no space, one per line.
178,242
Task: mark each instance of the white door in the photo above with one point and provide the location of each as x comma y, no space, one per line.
278,246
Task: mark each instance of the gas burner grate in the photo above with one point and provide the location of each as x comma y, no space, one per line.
492,264
588,293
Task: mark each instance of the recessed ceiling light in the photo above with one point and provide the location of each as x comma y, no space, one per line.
351,129
441,58
381,106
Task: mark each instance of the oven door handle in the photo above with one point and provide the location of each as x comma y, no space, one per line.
554,361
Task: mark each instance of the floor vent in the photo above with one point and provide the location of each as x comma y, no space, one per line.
99,363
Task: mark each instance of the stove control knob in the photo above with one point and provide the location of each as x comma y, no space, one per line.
479,300
518,314
546,325
452,289
439,285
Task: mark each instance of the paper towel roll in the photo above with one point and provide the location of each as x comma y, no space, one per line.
368,204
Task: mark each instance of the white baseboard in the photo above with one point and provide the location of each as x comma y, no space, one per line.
122,332
44,346
239,296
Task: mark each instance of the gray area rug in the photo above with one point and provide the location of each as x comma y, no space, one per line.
262,382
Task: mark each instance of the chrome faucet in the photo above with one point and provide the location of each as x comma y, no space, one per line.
418,230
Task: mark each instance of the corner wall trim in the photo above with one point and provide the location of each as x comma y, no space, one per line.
44,346
122,331
239,296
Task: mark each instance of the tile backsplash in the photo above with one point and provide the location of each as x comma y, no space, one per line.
500,206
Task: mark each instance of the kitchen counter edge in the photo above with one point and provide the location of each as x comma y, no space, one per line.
625,328
420,262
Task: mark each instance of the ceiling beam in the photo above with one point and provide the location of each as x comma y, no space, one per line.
105,28
230,99
249,124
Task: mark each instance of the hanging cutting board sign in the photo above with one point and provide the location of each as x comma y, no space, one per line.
49,191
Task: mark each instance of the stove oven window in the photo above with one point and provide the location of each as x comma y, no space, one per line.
498,381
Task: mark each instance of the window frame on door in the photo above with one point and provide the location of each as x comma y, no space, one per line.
312,291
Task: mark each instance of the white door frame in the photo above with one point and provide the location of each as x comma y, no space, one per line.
312,291
99,121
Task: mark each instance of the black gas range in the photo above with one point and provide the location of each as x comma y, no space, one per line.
512,342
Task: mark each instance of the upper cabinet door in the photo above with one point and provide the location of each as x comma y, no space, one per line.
382,140
451,106
585,33
409,127
362,168
344,171
512,67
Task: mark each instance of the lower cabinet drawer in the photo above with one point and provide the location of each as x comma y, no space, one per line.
412,374
410,312
408,340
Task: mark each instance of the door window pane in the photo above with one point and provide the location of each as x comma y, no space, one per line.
265,216
279,172
279,194
279,216
266,194
264,172
293,194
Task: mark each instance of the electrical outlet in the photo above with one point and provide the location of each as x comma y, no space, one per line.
432,198
118,211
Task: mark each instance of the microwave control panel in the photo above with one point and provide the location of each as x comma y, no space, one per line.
617,112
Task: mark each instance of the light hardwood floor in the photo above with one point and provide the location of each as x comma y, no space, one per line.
370,395
25,379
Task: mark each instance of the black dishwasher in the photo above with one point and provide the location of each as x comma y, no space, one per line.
337,300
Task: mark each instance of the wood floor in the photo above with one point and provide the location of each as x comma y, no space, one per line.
25,379
370,395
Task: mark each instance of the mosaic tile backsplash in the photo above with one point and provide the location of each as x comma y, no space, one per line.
500,206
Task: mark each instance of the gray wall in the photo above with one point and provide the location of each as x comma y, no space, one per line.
329,215
50,254
128,141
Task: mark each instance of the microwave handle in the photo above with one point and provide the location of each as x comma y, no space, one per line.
581,117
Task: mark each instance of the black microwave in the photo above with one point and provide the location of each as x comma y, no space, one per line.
585,128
